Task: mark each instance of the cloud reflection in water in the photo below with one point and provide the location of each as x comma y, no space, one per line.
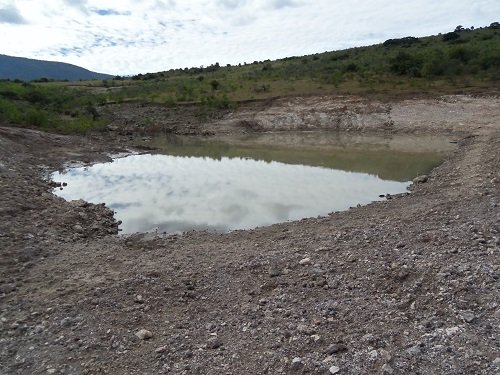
172,194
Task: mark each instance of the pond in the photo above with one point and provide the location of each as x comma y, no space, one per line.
244,182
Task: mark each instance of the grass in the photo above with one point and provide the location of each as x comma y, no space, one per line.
463,60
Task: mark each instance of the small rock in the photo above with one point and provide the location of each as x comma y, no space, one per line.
421,179
144,334
297,364
161,349
334,370
274,271
497,314
468,317
387,369
66,322
336,348
452,330
305,261
7,288
38,329
414,350
385,354
373,354
78,228
214,343
80,203
139,299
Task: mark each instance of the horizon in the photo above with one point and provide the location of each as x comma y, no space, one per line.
128,38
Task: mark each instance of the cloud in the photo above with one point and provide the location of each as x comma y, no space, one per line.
129,37
109,12
11,15
279,4
158,4
77,4
231,4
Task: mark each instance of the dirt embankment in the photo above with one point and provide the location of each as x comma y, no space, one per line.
331,113
408,285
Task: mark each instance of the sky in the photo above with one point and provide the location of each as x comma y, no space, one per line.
126,37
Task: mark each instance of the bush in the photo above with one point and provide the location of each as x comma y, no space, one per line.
406,64
216,102
404,42
215,84
448,37
37,117
9,112
262,87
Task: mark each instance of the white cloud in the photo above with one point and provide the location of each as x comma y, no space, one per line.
126,37
10,14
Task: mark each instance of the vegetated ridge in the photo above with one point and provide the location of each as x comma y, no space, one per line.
30,69
460,61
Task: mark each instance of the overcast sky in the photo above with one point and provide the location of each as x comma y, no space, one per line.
130,37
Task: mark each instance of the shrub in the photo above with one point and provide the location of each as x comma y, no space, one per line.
262,87
406,64
37,117
448,37
215,84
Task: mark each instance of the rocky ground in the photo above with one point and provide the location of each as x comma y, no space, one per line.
404,286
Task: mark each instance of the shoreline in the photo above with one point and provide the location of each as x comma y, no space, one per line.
398,286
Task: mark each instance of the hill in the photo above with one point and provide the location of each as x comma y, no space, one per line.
460,61
29,69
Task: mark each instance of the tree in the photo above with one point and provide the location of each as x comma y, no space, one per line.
451,36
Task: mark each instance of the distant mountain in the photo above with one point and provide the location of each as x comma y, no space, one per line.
29,69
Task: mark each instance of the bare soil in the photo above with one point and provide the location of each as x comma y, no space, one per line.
404,286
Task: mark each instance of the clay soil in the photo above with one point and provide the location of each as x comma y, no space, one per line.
408,285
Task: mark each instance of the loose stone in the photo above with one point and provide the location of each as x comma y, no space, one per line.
305,261
336,348
144,334
214,343
161,349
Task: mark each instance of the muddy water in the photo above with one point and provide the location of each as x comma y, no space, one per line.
244,182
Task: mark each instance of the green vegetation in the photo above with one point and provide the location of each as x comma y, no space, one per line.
49,107
461,60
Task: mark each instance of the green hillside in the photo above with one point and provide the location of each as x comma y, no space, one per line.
464,60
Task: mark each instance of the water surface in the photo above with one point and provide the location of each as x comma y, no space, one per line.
245,182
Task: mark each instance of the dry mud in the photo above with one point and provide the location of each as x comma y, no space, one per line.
404,286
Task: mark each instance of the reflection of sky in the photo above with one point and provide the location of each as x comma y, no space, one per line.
182,193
